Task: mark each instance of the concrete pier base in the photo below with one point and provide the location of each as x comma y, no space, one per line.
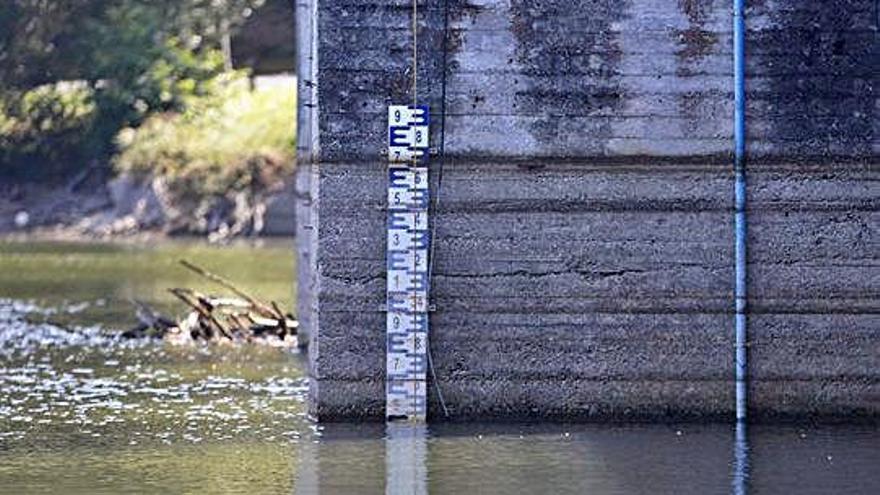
583,292
583,237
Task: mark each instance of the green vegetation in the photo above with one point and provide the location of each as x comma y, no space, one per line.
236,140
142,85
46,130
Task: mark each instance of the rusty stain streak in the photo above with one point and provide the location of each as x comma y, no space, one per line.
695,44
696,41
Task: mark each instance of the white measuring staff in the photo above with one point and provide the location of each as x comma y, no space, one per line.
407,263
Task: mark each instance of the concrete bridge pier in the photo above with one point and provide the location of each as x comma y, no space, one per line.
584,235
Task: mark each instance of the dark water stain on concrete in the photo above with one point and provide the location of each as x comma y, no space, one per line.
366,59
694,44
456,13
821,60
558,39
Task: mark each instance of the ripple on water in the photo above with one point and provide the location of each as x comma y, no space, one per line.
63,386
19,335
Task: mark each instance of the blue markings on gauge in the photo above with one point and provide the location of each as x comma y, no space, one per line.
408,177
407,115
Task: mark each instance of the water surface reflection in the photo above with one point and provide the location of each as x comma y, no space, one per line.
741,459
635,459
82,413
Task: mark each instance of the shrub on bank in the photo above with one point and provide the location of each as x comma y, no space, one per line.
223,152
44,129
214,143
52,131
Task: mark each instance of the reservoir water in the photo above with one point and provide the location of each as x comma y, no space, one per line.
83,412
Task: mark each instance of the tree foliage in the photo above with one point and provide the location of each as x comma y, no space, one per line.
44,41
130,58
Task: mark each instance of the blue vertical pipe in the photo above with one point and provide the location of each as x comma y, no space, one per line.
739,134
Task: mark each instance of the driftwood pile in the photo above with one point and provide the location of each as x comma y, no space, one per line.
217,319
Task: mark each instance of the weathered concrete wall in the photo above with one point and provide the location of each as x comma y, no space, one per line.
583,242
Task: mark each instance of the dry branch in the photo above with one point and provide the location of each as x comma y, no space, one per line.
228,285
230,319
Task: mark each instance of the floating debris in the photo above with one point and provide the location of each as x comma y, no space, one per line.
242,318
